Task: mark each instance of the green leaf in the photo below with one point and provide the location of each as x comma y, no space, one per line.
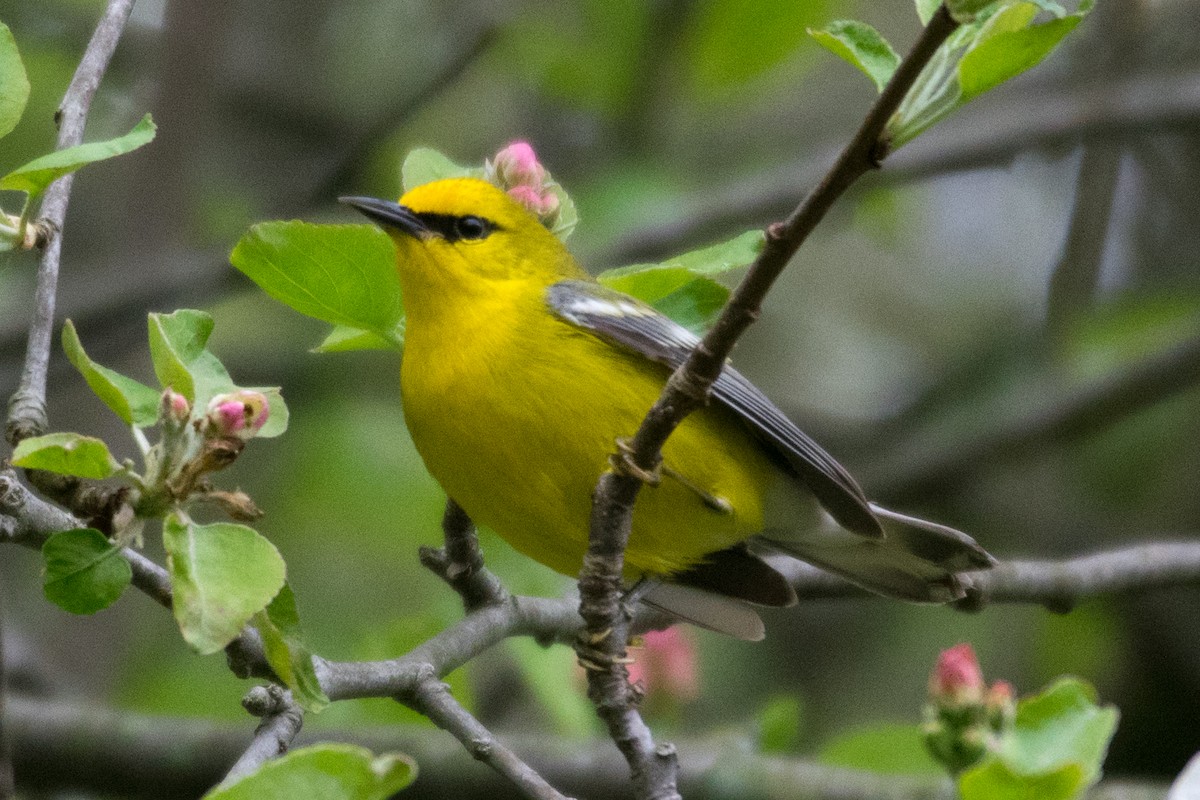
779,725
1061,724
695,305
344,338
862,46
888,748
344,274
222,575
729,45
995,780
176,342
14,83
84,571
426,165
325,771
35,176
66,454
279,626
1056,749
568,214
965,11
1008,54
926,9
738,252
132,401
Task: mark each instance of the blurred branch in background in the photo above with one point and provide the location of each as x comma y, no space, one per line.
27,407
69,745
910,470
987,135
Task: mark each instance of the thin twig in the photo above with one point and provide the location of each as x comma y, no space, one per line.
460,562
282,719
603,648
27,407
432,698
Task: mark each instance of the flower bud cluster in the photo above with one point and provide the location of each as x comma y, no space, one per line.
516,170
237,415
965,718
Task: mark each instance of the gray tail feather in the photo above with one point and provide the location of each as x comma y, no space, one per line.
712,611
917,560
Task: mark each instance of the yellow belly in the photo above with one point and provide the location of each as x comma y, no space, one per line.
519,438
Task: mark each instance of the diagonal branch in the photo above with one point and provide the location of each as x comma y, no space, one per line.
282,719
600,580
27,407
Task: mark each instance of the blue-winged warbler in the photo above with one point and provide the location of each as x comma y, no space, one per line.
519,375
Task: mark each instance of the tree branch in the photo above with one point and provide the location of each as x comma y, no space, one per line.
602,649
282,719
902,474
27,407
460,562
432,698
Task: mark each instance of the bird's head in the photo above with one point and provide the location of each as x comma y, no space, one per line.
462,234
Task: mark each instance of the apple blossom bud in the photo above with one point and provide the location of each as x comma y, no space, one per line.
174,408
956,680
543,204
517,165
239,415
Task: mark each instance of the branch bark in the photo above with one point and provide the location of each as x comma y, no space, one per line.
282,719
27,407
602,649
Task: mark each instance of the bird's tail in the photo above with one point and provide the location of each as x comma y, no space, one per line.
916,559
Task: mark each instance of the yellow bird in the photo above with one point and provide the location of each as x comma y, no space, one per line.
520,373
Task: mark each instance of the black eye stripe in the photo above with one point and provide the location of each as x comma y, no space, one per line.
454,228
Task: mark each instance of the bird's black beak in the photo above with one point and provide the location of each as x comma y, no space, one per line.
389,215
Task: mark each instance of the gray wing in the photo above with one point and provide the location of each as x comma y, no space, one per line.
635,326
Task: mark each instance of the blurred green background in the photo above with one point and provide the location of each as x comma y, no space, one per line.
917,335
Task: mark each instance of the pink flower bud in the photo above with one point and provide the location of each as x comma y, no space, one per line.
174,407
238,414
541,203
517,165
667,664
957,679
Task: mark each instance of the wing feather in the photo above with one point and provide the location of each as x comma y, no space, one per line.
635,326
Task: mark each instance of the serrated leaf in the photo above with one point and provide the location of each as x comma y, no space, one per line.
66,454
221,575
14,83
344,338
325,771
84,571
343,274
35,176
425,165
279,626
861,46
176,341
1008,54
132,401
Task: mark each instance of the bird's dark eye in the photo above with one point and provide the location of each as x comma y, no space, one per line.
471,227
